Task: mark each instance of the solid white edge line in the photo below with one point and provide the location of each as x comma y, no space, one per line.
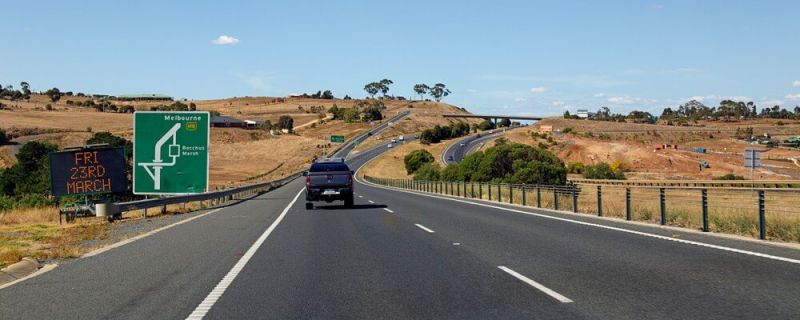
36,273
146,234
388,210
424,228
536,285
696,243
202,309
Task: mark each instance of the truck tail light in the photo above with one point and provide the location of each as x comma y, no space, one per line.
350,180
308,182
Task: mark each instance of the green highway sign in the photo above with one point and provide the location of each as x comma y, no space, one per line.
170,152
337,139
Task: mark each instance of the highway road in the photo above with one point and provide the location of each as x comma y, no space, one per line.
457,152
405,255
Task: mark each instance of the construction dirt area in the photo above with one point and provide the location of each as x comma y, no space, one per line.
641,149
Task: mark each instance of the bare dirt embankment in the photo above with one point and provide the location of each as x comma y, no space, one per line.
635,146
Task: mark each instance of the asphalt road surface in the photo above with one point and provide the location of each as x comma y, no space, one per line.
457,152
403,255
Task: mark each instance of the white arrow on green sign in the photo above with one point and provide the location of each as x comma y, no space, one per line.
170,152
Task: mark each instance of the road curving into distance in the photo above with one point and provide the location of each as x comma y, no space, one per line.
408,255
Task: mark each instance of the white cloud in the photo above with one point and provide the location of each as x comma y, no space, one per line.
225,40
558,103
658,6
770,102
520,99
796,83
622,100
599,95
539,90
793,97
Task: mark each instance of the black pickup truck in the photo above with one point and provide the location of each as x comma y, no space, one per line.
329,180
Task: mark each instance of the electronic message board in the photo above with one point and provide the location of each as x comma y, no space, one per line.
88,171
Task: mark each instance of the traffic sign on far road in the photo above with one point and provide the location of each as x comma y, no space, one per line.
337,139
170,152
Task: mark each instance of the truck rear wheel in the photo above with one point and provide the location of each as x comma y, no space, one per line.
348,202
309,206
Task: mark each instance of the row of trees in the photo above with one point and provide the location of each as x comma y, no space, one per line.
728,110
438,91
439,133
361,112
327,94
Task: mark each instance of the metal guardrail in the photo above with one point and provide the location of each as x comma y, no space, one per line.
219,197
222,196
742,211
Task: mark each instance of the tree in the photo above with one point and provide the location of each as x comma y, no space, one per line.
113,141
504,123
327,94
266,125
383,85
439,91
486,125
421,89
26,89
54,94
351,115
372,89
286,122
416,159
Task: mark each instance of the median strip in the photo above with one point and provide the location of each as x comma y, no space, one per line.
536,285
424,228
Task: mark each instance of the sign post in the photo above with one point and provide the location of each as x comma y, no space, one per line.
752,160
170,152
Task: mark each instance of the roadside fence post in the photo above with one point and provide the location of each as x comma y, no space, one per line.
489,186
523,196
599,201
762,223
465,189
510,193
458,188
480,190
575,199
499,193
663,200
555,198
704,194
628,204
538,196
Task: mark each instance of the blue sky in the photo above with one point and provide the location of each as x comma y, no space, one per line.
517,57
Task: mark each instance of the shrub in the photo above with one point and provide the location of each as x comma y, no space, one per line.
510,163
3,137
429,171
416,159
567,129
602,170
729,176
575,167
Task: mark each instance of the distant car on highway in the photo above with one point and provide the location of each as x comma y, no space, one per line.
329,180
401,138
461,144
394,140
389,145
450,158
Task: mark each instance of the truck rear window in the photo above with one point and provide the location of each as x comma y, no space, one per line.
328,167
